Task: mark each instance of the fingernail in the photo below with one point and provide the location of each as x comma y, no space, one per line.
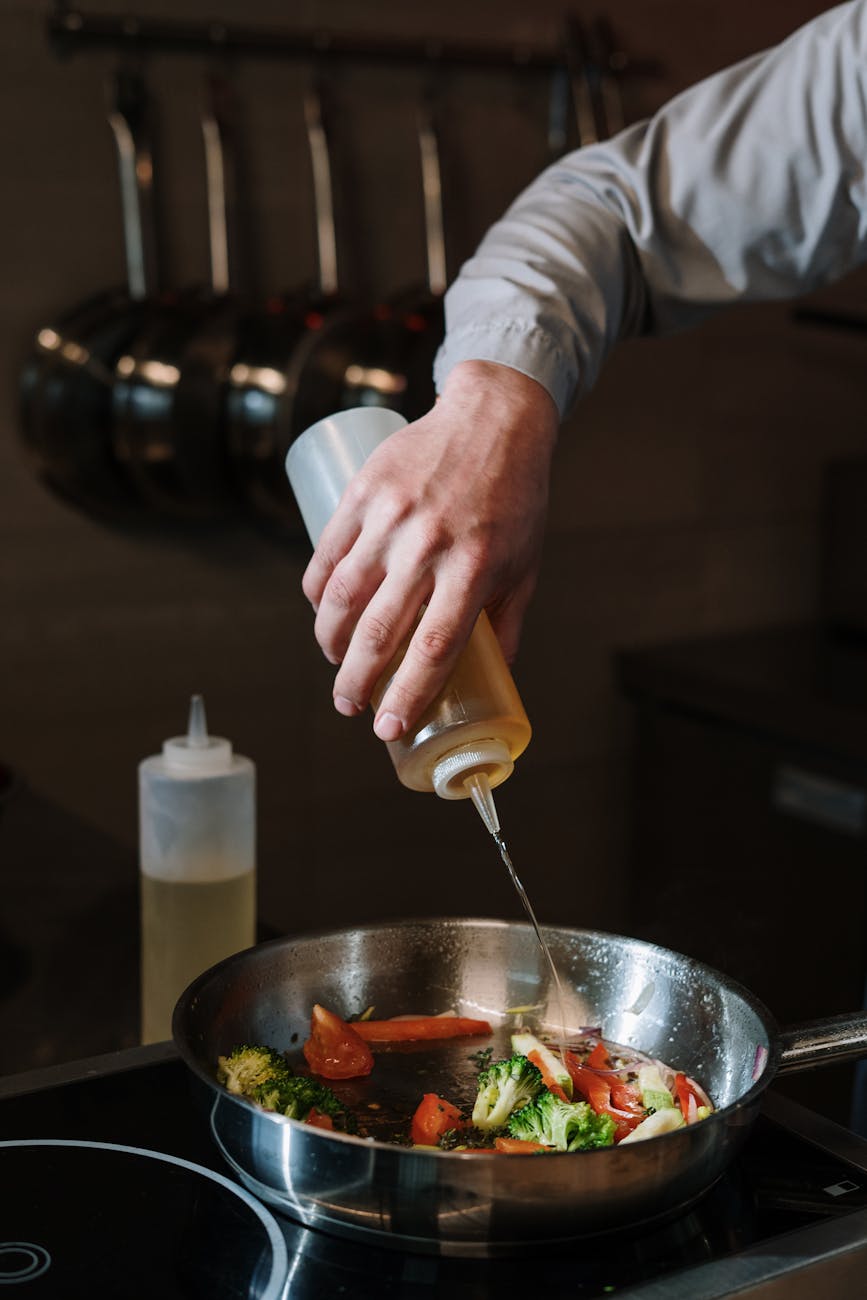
388,726
345,706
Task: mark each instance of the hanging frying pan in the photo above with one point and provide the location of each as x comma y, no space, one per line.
384,355
168,393
260,392
66,384
420,313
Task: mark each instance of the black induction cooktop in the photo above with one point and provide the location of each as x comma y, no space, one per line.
113,1189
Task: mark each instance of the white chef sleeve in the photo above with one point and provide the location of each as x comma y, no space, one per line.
749,186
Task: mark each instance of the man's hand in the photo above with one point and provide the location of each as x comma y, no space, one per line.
449,513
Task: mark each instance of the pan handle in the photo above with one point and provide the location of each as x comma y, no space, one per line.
823,1042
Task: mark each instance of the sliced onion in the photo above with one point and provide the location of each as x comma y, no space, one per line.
700,1093
668,1075
759,1061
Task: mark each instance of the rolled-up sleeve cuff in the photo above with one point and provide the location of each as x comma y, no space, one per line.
523,347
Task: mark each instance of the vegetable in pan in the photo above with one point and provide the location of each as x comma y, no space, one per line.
248,1068
563,1125
264,1076
505,1086
538,1100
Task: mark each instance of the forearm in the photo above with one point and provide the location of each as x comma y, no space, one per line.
748,187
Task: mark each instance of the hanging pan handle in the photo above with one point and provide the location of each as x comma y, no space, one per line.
219,157
130,120
323,193
432,193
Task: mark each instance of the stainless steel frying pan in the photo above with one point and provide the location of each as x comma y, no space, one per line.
664,1004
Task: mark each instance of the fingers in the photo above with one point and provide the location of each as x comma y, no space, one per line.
376,638
350,588
429,660
338,538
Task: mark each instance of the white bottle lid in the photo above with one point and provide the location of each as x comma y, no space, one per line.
491,757
324,458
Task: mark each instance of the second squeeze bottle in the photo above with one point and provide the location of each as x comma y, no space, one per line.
465,744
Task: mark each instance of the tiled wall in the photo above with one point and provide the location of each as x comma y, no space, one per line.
686,490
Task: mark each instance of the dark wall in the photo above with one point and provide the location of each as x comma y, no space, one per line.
686,495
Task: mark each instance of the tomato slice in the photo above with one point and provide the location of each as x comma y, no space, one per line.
334,1049
419,1027
316,1119
434,1117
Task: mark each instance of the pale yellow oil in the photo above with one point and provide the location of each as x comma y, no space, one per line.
479,702
185,928
560,1024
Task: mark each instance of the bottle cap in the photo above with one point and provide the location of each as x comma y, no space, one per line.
490,757
197,753
323,459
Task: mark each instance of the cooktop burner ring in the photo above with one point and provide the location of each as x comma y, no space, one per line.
23,1261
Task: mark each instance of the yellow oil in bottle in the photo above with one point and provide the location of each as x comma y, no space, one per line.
479,702
187,926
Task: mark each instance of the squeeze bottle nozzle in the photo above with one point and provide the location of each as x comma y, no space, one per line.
197,727
479,789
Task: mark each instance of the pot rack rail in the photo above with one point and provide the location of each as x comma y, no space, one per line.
72,31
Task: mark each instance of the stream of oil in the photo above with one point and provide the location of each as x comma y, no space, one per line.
546,952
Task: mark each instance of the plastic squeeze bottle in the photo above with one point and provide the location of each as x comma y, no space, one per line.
467,741
197,842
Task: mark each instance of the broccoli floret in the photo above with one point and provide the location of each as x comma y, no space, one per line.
566,1125
247,1068
264,1076
505,1086
298,1095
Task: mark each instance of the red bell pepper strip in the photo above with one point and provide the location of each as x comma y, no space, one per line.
593,1087
547,1077
608,1095
688,1097
419,1028
598,1058
519,1146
